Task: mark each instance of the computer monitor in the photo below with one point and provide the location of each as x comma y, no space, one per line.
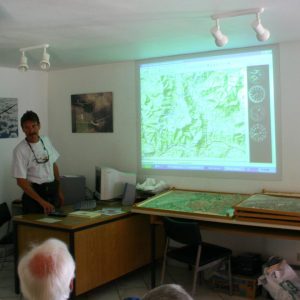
73,188
110,183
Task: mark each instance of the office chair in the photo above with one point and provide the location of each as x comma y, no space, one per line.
7,239
194,251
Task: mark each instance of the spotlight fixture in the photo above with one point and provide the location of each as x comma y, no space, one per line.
262,33
44,64
221,40
23,66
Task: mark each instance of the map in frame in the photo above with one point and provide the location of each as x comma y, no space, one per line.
195,202
8,118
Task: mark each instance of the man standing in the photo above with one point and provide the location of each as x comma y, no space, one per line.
34,166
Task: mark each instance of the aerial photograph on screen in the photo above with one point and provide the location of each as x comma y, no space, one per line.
197,116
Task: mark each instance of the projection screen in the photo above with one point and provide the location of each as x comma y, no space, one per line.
214,112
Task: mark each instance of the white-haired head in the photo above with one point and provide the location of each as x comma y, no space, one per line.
46,272
167,292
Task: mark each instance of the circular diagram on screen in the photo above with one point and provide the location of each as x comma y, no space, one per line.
256,94
257,113
255,75
258,133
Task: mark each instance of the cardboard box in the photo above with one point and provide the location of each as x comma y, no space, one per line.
242,286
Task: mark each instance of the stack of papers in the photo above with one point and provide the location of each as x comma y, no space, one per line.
111,211
85,214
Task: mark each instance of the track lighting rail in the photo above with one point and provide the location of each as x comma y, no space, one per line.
236,13
34,47
262,33
44,63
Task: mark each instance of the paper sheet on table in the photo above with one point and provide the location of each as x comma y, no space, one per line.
111,211
49,220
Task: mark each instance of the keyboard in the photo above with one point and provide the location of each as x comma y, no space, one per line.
57,214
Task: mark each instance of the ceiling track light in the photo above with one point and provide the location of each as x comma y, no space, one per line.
262,34
44,63
23,66
220,38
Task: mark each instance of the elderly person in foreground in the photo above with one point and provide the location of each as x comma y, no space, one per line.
167,292
47,271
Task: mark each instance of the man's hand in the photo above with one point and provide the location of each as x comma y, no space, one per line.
25,185
48,207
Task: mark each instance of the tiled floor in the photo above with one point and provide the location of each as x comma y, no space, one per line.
134,284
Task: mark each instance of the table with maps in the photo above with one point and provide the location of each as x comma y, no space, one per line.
213,211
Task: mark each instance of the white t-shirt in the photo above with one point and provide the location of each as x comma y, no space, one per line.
24,162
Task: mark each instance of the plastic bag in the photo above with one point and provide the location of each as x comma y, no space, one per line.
151,185
280,280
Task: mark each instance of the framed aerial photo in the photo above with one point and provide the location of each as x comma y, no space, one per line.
8,118
92,112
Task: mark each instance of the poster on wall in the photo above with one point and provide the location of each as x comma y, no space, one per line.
8,118
92,112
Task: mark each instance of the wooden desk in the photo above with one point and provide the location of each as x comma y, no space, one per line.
104,248
208,221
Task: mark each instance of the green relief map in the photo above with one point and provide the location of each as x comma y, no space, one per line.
194,115
271,204
206,203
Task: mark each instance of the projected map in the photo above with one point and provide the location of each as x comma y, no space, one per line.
195,115
192,116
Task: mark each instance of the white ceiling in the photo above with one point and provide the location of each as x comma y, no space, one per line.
89,32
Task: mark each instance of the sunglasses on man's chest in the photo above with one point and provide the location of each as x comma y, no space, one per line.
42,160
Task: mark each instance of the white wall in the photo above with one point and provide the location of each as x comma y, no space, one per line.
81,152
31,90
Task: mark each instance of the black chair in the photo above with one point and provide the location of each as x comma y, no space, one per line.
193,252
7,240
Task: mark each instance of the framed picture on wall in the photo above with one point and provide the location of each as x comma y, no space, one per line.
8,118
92,112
